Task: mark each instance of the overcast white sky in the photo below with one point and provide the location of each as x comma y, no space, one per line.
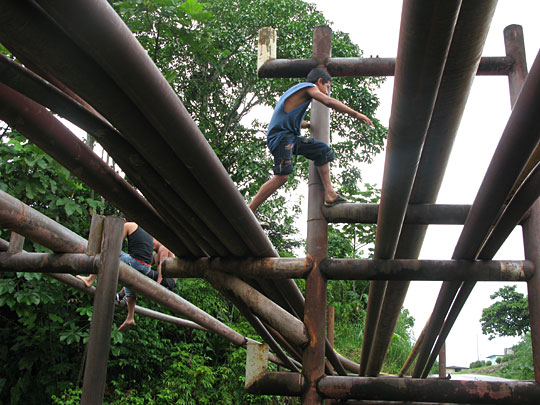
374,26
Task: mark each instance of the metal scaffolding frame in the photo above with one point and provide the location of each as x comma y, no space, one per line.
192,206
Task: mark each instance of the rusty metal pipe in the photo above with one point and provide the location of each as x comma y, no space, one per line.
430,390
72,263
43,129
265,268
355,67
99,30
524,198
26,221
416,214
79,285
138,170
425,36
412,269
262,331
289,326
316,241
462,63
34,43
531,242
278,383
518,141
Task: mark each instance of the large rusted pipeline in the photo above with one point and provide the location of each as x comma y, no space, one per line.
430,390
138,170
34,43
355,67
416,214
73,263
218,224
267,268
424,40
43,129
461,65
99,30
518,141
412,269
401,390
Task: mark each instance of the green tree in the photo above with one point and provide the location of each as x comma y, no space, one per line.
507,317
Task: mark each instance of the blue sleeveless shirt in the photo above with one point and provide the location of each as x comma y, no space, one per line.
283,123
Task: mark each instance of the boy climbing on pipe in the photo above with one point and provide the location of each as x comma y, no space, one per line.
284,140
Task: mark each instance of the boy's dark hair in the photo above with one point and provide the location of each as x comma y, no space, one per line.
317,73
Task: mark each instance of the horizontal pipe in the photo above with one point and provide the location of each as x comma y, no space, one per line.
266,268
72,263
434,270
430,390
277,383
416,214
78,284
355,67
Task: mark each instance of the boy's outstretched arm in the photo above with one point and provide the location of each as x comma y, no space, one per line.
337,105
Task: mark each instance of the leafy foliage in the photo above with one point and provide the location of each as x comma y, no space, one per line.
39,181
519,366
507,317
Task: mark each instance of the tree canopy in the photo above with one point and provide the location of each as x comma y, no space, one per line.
507,317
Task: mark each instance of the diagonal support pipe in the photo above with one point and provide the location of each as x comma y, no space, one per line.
425,35
461,66
518,141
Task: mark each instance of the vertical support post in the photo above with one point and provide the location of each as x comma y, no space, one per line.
442,361
95,370
16,243
330,324
256,362
267,49
515,49
531,242
95,236
317,241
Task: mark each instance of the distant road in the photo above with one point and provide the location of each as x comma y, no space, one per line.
477,377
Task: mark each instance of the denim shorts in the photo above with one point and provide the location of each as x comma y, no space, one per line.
310,148
147,271
137,265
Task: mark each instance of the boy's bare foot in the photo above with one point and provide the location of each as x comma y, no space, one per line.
128,324
86,280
